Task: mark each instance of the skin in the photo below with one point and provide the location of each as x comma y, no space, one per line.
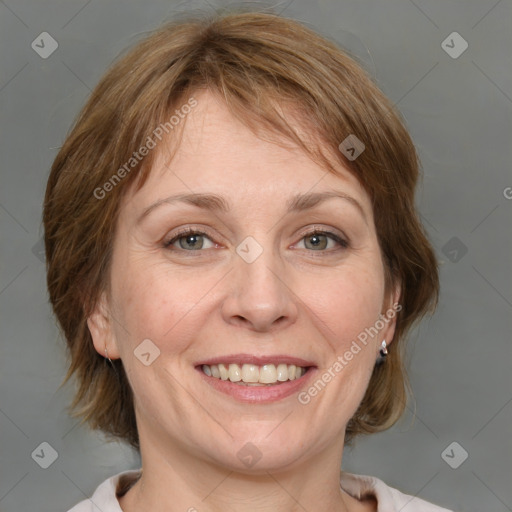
296,298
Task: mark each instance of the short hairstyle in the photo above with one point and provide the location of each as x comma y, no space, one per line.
257,63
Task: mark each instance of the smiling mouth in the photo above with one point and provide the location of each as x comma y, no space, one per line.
254,375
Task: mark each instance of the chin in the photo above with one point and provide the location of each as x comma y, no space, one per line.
259,455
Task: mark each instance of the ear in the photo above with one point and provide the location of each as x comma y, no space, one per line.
101,328
392,307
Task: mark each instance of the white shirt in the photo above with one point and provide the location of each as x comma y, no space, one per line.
388,499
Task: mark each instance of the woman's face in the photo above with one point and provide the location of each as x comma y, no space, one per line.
259,288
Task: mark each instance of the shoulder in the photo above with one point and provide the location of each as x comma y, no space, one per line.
388,498
104,498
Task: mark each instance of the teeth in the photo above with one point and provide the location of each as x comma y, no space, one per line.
253,375
235,374
224,374
268,374
250,373
282,372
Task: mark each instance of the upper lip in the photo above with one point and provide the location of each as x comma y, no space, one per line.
257,360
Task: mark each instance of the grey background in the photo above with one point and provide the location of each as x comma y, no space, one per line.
459,113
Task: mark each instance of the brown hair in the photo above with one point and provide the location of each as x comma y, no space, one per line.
255,62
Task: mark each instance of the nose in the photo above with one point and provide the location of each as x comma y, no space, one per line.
259,297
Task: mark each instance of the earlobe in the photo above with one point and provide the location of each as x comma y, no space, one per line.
100,326
391,314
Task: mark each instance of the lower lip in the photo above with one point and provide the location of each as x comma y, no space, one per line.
259,394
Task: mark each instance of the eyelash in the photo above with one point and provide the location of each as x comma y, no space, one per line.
191,231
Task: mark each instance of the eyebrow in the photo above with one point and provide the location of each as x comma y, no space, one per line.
213,202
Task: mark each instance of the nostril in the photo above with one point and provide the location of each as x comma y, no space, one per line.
240,319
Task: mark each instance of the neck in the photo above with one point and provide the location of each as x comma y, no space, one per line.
180,481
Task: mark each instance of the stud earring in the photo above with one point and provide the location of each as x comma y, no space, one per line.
383,353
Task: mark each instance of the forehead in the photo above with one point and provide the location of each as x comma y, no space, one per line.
216,152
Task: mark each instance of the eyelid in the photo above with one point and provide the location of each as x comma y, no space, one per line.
341,239
189,230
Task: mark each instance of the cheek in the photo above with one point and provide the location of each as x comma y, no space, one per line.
347,303
156,303
344,306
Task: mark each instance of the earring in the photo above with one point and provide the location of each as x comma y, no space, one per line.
111,364
106,356
383,353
